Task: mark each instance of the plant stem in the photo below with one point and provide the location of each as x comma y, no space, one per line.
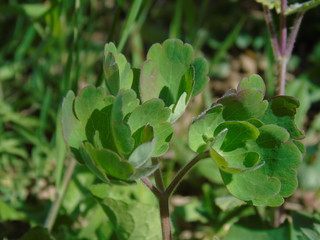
283,27
272,32
158,176
293,34
165,217
163,200
163,194
153,188
183,171
52,215
283,46
282,75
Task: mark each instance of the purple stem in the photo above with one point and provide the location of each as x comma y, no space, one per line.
293,34
283,27
272,32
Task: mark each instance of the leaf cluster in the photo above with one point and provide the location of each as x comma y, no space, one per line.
253,141
116,129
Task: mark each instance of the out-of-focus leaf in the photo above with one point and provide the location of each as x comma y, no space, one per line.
300,90
252,230
271,4
302,7
38,233
9,213
228,202
305,227
132,220
308,172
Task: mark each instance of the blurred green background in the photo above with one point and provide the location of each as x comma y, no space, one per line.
48,47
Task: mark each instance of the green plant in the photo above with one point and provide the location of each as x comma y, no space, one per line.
50,47
120,131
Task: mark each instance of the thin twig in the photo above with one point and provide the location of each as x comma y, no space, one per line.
294,33
153,188
52,215
272,32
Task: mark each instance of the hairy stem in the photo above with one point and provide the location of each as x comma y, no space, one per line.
52,215
282,62
282,75
272,32
283,27
293,34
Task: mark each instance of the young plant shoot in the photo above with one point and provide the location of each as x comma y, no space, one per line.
120,130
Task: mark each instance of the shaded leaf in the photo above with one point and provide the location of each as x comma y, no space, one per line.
202,128
133,220
117,70
111,163
201,79
91,164
302,7
281,111
142,154
228,202
241,231
37,233
125,102
271,4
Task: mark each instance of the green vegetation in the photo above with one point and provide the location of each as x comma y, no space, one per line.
221,148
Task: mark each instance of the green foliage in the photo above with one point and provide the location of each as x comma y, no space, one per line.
38,233
131,219
41,58
291,9
99,126
250,230
302,7
253,142
170,73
